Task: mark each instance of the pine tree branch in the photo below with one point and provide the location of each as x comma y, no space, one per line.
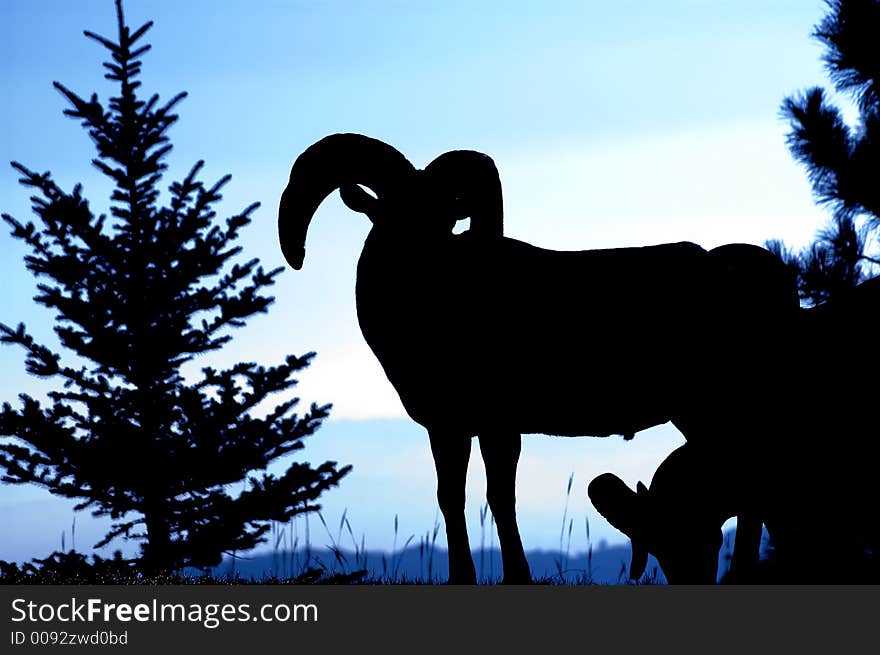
821,141
118,530
849,33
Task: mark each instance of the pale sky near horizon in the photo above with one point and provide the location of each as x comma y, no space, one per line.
612,124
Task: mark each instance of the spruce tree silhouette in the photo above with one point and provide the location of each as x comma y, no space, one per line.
842,161
138,296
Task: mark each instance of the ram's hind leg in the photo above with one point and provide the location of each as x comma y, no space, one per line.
501,454
451,451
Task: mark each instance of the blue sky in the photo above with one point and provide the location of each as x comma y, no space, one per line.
612,124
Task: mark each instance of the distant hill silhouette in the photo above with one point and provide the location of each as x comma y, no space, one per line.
608,564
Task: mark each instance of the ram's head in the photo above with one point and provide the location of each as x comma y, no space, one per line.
405,201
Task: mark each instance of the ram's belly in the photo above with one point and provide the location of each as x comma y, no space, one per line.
543,408
578,376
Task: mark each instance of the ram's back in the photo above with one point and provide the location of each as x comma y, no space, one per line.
603,333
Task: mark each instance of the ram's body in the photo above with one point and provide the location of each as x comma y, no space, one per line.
504,335
485,335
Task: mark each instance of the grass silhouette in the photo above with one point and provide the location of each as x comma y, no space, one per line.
295,558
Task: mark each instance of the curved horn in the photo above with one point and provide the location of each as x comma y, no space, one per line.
334,161
472,178
639,558
616,502
638,561
621,506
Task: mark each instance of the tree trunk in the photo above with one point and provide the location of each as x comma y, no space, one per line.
157,558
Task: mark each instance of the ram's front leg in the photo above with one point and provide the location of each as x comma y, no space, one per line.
501,455
451,451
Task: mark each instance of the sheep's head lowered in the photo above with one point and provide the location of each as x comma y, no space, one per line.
678,520
408,202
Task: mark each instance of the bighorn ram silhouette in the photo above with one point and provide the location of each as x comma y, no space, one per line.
489,336
819,465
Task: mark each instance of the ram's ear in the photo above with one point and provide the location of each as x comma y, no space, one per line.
357,199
